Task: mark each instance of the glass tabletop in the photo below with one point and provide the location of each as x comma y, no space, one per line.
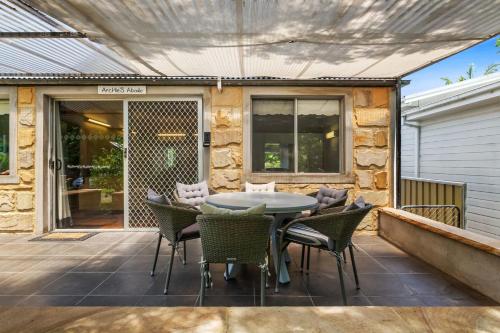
277,202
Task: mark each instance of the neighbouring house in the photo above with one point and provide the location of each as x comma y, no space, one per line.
452,133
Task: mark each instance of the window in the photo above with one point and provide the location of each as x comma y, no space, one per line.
296,135
8,111
4,137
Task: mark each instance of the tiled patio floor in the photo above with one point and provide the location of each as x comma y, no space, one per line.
112,269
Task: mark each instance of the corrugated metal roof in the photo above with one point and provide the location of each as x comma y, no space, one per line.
237,38
41,55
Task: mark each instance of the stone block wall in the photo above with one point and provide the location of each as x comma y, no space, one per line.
372,155
17,211
371,148
226,161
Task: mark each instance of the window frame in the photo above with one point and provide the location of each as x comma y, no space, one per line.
10,93
295,99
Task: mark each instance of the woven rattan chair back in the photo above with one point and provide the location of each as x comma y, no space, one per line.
172,218
238,239
337,225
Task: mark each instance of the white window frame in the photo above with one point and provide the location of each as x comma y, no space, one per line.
344,176
10,93
296,100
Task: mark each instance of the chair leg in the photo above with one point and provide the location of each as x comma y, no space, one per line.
184,255
341,277
202,287
157,253
351,252
170,264
308,259
263,278
280,252
302,258
344,256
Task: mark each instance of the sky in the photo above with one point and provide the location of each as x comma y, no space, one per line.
480,55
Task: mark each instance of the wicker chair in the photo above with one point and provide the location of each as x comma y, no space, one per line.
338,202
234,239
330,230
177,223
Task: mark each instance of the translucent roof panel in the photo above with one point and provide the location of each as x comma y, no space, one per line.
292,39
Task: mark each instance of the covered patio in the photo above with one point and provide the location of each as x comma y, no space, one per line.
115,112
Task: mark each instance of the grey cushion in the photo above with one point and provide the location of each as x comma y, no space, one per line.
302,234
193,194
190,232
326,196
158,198
358,203
256,210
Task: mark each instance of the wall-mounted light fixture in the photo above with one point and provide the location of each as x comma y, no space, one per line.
330,135
97,122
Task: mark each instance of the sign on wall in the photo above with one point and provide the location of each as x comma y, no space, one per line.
121,90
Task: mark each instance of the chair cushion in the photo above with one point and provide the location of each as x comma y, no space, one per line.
358,203
193,194
158,198
302,234
327,196
269,187
212,210
193,231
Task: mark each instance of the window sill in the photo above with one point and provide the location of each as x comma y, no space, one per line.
301,178
9,179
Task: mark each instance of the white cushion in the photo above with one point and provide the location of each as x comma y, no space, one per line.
269,187
193,194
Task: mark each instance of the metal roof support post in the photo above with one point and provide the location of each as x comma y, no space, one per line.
397,132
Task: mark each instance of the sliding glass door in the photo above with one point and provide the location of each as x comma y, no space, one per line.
88,157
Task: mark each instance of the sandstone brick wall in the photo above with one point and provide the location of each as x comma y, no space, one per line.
371,148
17,200
371,142
226,163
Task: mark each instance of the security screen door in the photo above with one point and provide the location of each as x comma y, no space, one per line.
163,148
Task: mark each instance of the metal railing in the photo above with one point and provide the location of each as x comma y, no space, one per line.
448,214
442,201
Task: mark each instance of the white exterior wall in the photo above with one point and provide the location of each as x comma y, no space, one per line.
463,147
408,151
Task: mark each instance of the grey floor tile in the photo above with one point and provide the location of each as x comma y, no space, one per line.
280,300
50,300
404,265
125,249
229,300
59,264
27,283
105,264
167,300
321,285
395,301
145,264
115,300
11,300
382,250
337,301
125,284
382,285
19,263
72,284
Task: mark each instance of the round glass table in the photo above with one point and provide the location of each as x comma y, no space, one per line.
279,204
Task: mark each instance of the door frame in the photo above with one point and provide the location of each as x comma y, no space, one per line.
44,99
53,173
199,100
